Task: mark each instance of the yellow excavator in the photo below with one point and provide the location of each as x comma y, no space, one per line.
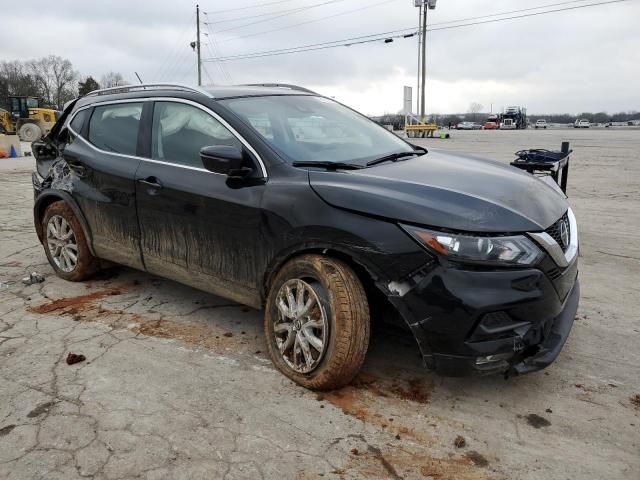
26,118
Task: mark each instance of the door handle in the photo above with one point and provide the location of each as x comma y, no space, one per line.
151,182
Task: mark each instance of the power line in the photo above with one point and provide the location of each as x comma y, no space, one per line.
288,12
408,32
507,13
526,15
307,22
256,5
215,52
268,14
385,36
173,56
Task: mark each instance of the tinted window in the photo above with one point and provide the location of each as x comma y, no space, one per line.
78,121
114,128
180,131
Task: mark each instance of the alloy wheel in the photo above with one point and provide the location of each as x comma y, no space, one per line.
301,329
61,242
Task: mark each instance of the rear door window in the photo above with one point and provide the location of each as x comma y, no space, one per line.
181,130
114,128
78,121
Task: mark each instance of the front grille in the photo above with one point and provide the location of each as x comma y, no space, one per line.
555,232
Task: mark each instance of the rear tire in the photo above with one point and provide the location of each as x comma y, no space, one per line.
320,346
65,244
30,132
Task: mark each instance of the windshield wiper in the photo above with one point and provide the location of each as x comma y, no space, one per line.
393,157
328,165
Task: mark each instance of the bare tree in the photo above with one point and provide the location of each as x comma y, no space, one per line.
474,109
112,79
55,78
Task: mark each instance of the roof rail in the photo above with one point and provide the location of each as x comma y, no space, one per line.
281,85
147,86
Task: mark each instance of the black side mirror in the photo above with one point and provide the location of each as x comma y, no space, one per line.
224,159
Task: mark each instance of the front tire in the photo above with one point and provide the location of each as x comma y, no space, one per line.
65,244
317,322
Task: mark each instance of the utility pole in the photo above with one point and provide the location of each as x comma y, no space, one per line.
419,57
424,58
423,5
198,44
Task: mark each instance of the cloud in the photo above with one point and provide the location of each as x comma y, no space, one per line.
570,61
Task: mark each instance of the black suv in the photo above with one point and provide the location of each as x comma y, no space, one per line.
282,199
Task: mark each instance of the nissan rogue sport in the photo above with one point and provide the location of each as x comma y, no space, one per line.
284,200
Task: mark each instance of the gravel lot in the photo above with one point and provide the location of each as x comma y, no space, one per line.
176,383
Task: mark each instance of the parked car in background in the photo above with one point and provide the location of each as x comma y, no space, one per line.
582,123
541,123
469,126
491,126
286,201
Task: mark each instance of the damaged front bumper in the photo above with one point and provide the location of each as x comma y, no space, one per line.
478,322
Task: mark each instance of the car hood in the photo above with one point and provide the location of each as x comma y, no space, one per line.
446,190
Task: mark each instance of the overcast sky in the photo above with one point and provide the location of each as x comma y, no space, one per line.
579,60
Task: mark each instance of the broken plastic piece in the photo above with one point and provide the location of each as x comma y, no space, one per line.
34,277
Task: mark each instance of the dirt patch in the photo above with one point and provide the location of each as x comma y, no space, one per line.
40,409
192,333
635,400
348,400
389,468
393,462
416,391
359,400
12,263
85,308
72,305
6,430
536,421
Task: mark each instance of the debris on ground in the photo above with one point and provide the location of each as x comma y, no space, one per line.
536,421
74,358
354,451
548,410
4,286
460,442
227,334
635,400
34,277
477,458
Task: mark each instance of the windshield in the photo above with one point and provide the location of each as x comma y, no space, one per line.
310,128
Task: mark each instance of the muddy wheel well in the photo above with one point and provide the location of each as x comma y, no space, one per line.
380,308
47,199
39,212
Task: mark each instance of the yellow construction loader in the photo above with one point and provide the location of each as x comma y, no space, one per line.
27,119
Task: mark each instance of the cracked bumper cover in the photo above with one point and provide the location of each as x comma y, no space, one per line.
447,311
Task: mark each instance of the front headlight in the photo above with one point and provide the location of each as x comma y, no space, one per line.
515,250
